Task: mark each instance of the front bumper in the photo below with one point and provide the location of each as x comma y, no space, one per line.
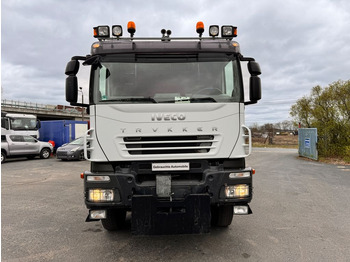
138,180
67,155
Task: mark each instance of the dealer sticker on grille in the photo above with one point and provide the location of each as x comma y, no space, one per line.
170,166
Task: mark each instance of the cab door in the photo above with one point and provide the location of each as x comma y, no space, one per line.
16,145
23,145
31,145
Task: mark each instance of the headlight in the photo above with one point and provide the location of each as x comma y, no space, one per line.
75,149
237,191
101,195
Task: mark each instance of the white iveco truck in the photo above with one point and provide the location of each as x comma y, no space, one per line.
167,139
19,124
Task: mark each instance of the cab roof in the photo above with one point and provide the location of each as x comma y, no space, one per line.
152,45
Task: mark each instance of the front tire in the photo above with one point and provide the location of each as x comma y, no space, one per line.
3,157
81,155
115,219
45,153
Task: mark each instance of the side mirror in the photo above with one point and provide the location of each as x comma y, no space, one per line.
72,89
38,124
72,67
255,89
254,68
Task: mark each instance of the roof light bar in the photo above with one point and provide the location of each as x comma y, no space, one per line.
103,32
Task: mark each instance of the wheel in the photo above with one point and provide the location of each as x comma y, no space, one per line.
45,153
221,216
115,219
81,155
3,157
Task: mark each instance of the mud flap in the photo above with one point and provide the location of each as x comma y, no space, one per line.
151,216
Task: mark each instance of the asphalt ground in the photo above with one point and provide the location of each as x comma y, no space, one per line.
301,212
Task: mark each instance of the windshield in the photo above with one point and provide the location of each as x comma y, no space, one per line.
168,80
23,123
78,141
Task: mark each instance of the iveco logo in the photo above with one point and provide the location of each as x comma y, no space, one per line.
168,117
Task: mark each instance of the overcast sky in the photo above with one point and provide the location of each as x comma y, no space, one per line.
298,43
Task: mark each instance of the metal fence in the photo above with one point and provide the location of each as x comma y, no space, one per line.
307,138
42,107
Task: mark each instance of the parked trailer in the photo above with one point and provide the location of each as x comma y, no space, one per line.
62,131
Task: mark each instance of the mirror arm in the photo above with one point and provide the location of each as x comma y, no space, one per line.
250,102
83,58
242,58
79,104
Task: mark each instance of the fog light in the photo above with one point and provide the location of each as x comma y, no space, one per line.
98,214
101,195
237,191
240,210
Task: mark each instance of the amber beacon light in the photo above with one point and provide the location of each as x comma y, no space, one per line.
200,28
131,28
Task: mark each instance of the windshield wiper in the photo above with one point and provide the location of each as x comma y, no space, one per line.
192,100
199,99
132,99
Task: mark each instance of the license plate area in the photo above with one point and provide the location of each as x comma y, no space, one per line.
163,185
179,166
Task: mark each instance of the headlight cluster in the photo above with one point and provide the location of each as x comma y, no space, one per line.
101,195
237,191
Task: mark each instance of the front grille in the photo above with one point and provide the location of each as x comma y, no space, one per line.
62,153
149,145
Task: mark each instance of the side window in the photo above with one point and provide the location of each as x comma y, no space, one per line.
103,82
229,79
15,138
3,138
29,139
4,123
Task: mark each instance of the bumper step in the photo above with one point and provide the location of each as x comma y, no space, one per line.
151,216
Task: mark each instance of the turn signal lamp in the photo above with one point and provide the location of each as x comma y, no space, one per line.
131,28
200,28
98,179
117,30
239,175
214,30
228,31
101,31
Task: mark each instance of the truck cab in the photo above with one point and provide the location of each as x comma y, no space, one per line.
167,139
20,124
